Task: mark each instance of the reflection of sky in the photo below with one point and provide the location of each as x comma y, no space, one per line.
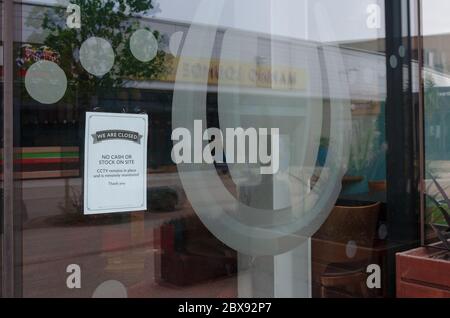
291,18
295,18
435,16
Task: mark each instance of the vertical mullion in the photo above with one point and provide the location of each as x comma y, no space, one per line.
401,125
421,122
8,275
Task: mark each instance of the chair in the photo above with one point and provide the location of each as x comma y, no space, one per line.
190,254
345,275
377,186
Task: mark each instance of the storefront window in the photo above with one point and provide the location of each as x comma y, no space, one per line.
436,92
174,148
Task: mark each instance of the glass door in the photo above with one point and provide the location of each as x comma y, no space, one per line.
174,148
436,86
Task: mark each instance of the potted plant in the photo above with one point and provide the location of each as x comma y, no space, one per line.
424,271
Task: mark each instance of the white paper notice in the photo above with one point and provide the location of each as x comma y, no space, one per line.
115,163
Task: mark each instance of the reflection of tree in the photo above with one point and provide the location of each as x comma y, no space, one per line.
432,118
113,20
431,96
377,167
363,144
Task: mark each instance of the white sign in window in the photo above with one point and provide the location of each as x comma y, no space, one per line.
115,163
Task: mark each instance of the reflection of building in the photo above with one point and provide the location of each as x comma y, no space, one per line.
437,129
59,124
291,68
290,74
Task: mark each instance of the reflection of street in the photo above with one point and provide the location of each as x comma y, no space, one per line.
126,250
55,194
108,252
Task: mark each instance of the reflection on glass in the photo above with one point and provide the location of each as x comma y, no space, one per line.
436,81
320,78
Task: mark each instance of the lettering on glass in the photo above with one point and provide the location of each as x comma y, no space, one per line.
73,281
374,279
74,18
373,16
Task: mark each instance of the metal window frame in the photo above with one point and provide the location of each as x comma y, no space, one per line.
404,135
8,151
421,123
11,225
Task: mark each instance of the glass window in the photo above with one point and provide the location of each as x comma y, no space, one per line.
436,101
264,153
